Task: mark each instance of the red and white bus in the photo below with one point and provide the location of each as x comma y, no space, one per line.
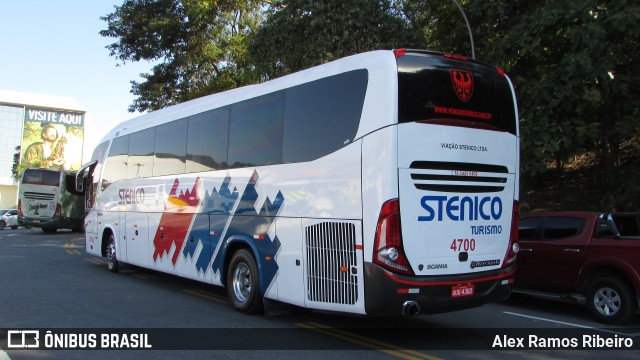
381,183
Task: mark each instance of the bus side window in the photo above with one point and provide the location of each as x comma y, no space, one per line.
255,132
323,116
116,164
170,149
208,140
140,161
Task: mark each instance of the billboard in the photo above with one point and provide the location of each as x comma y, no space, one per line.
52,139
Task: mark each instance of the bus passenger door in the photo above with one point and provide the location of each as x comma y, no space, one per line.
290,277
137,238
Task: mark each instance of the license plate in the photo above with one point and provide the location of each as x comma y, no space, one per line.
36,221
462,290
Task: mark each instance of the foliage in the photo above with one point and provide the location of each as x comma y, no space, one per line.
201,45
573,66
298,34
15,171
439,24
572,62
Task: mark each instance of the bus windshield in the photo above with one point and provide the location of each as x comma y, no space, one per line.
41,177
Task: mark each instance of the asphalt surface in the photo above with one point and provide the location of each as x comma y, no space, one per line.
48,283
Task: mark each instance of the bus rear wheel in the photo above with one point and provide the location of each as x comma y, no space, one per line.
242,283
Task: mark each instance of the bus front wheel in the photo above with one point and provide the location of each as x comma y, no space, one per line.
112,259
242,283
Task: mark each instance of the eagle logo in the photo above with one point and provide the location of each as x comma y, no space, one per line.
462,82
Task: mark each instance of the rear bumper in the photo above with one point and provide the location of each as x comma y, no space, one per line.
56,222
386,292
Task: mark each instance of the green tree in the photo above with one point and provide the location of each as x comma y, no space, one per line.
574,67
439,24
200,44
298,34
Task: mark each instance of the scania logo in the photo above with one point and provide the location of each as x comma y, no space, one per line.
436,266
462,82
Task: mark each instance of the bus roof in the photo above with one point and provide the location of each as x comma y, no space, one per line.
381,62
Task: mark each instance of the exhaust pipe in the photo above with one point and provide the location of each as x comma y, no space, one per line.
410,308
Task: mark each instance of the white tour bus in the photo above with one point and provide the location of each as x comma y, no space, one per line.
382,183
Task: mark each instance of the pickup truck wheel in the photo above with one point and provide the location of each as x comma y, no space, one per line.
611,300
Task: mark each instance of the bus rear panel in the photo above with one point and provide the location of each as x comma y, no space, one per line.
446,243
46,202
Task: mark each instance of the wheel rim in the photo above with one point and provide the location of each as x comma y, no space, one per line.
242,282
111,255
607,301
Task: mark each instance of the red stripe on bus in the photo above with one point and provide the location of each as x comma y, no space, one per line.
432,283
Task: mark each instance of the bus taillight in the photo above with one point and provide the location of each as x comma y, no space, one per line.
58,210
389,251
513,249
20,207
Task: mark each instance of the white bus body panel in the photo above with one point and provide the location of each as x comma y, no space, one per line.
196,256
439,225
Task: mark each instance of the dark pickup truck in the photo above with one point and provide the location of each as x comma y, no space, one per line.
590,257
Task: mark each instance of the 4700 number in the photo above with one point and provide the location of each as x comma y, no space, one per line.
463,245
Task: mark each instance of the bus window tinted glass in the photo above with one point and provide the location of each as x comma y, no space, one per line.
116,165
432,87
41,177
323,116
140,163
170,148
255,132
208,139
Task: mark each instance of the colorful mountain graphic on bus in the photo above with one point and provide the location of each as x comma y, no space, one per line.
176,219
246,225
219,204
180,222
250,226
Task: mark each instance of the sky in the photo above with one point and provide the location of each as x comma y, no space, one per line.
53,47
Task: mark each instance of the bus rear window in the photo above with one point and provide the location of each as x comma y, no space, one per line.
41,177
442,90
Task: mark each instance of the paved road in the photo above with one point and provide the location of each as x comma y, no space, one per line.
47,282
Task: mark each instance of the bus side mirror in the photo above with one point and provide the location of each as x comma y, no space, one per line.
87,170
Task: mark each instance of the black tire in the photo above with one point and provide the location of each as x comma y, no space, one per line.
611,300
14,227
49,230
2,225
242,283
112,259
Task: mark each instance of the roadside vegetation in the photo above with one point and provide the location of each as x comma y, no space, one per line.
574,65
